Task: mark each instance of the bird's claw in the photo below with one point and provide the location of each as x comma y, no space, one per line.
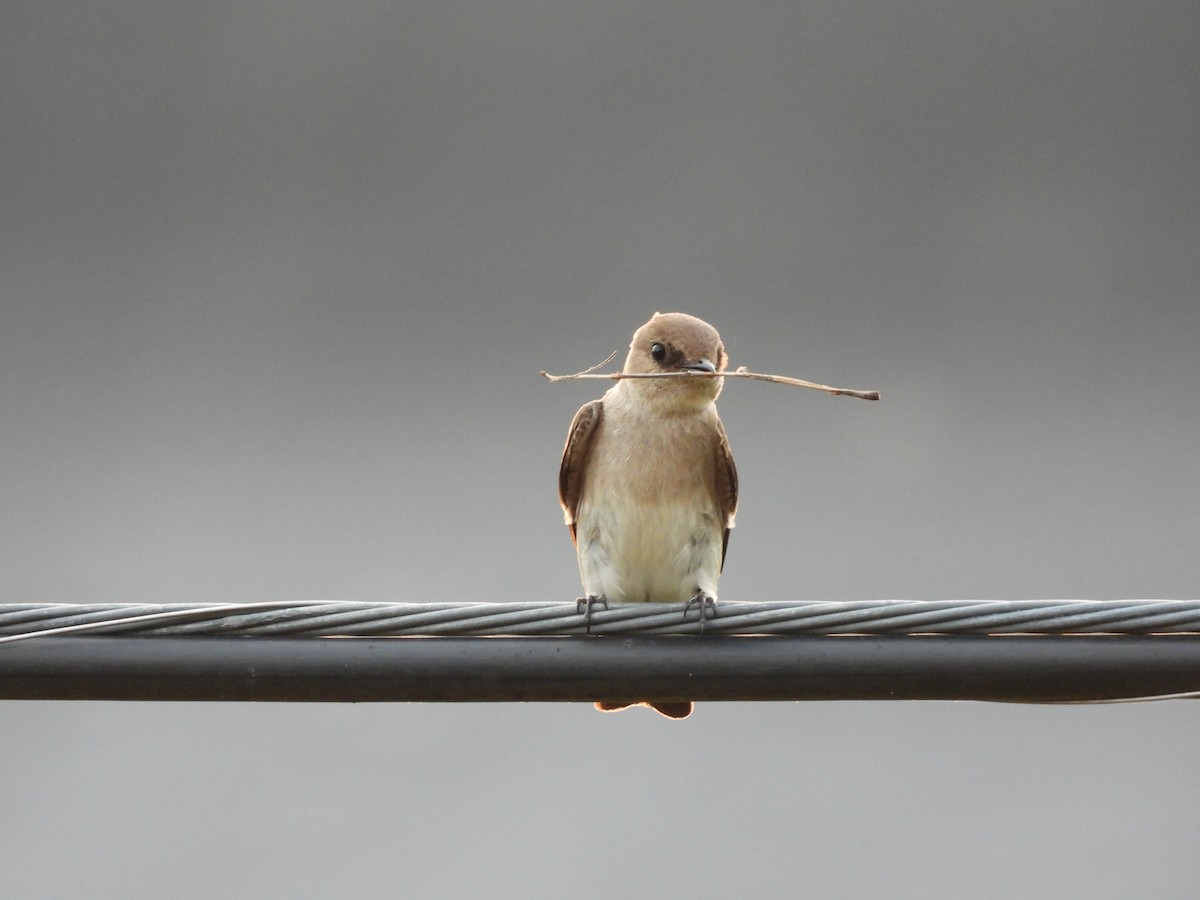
707,606
584,605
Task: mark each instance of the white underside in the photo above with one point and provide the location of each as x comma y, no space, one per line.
635,552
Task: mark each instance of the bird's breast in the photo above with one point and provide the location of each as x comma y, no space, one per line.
649,525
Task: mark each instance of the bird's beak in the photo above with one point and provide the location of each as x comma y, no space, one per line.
700,365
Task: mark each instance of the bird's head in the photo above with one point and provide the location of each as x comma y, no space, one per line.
676,342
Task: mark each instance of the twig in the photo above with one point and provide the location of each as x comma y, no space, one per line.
740,372
743,372
603,362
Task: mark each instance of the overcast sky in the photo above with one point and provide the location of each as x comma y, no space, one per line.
275,285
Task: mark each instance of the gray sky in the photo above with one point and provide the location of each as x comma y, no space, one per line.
275,286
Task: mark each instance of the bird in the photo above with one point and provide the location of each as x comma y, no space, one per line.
647,482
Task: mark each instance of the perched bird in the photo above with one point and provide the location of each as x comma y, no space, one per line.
647,481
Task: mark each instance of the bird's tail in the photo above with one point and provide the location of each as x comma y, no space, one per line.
671,709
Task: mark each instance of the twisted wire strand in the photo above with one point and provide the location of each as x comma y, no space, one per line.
357,619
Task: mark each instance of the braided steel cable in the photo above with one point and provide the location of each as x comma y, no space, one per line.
354,619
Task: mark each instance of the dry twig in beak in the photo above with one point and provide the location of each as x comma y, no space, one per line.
740,372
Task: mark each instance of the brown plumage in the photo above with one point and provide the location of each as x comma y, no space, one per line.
647,482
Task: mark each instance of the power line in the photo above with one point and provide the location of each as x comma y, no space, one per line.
1018,668
879,617
1030,651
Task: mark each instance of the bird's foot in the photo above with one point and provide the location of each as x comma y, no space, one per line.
707,606
584,605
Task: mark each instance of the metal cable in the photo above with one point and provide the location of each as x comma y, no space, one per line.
346,619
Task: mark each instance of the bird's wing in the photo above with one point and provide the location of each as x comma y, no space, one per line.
727,486
574,459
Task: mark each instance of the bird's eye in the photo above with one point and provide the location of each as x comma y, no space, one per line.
658,351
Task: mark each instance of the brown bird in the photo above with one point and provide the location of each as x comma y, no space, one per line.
647,481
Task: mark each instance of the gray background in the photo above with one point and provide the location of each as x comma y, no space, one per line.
277,281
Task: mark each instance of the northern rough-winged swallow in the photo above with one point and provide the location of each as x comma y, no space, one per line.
647,482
